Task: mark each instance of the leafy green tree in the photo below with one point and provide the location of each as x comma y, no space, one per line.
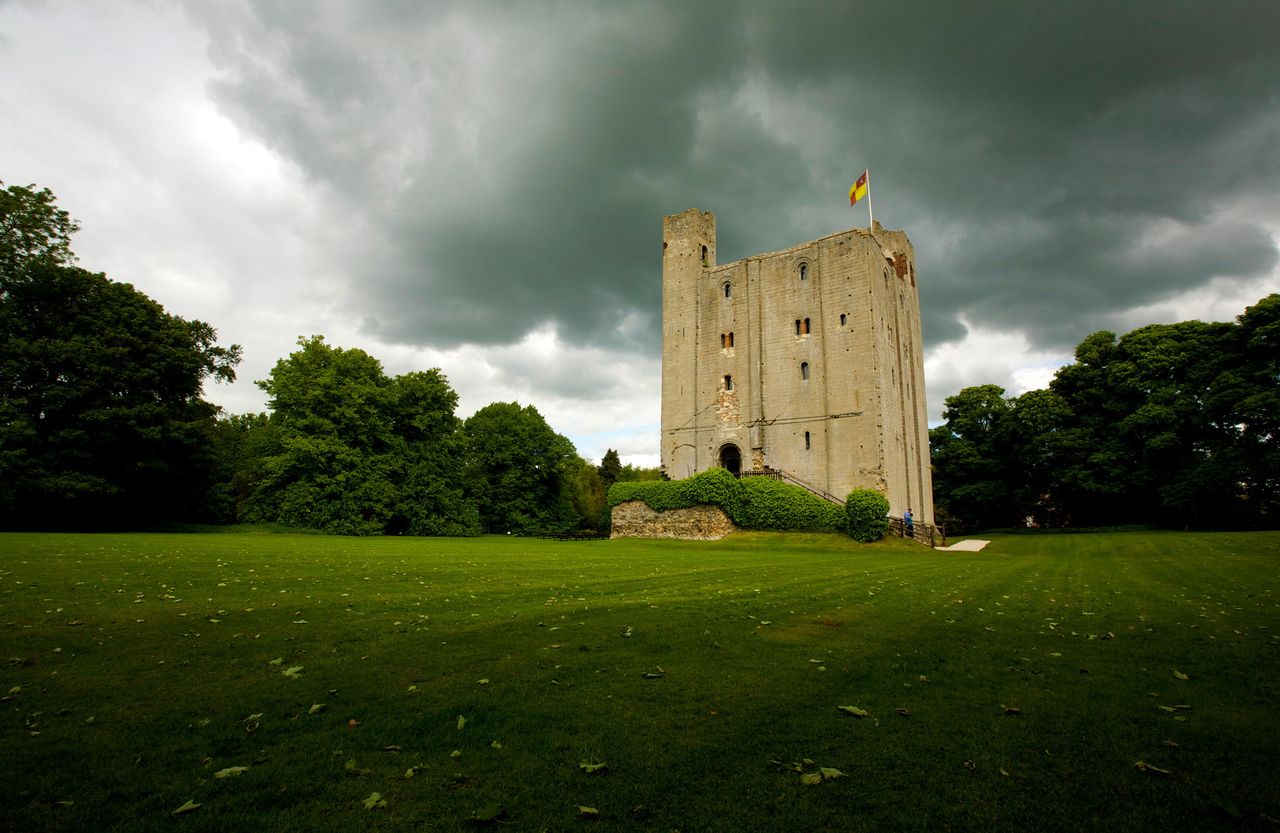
610,468
971,459
353,452
32,227
101,415
237,443
516,470
428,436
587,493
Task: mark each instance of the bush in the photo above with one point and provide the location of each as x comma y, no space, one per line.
866,513
772,504
716,487
751,503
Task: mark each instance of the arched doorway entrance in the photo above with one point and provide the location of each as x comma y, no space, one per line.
731,459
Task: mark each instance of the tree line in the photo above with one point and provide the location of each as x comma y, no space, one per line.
103,421
1173,425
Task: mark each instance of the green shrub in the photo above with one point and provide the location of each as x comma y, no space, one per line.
716,487
660,495
751,503
773,504
866,513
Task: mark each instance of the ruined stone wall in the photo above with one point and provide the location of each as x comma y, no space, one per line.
807,360
634,519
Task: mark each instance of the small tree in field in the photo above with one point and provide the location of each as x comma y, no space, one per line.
867,512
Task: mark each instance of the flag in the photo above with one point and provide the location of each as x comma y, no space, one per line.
859,189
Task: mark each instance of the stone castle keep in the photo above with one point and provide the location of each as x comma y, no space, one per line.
807,361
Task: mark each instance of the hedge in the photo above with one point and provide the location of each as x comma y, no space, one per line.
751,503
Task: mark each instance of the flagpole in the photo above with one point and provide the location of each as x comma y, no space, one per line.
871,220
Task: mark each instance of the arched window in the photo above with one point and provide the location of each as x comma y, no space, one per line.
804,271
804,371
728,289
843,318
805,329
728,382
807,441
704,256
731,338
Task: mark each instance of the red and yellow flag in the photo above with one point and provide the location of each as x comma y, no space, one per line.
859,189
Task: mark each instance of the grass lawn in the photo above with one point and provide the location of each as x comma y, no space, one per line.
1012,689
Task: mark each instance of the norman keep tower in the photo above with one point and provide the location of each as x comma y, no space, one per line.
808,361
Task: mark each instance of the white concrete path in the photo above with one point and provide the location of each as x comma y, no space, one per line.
971,545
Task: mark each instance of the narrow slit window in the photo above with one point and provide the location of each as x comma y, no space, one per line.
731,339
804,271
728,289
843,318
728,382
805,328
797,326
808,443
804,371
704,256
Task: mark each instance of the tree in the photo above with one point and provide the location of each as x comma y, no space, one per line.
587,491
516,469
355,453
101,415
610,468
32,227
428,435
971,459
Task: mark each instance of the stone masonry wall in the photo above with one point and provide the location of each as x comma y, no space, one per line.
634,519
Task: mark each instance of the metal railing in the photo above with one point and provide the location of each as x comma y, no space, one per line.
928,534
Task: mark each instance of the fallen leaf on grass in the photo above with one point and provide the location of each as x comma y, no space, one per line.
810,778
352,769
589,767
317,708
588,812
1004,772
230,772
903,712
277,661
1181,707
293,671
186,808
1180,675
374,800
462,721
1011,711
489,812
854,710
1143,766
830,773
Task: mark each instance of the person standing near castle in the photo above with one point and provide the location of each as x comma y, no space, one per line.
909,523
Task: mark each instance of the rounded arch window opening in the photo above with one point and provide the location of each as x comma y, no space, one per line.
731,459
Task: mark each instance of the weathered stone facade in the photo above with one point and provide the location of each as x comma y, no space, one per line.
634,519
807,360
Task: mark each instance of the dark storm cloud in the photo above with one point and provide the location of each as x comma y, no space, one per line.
511,163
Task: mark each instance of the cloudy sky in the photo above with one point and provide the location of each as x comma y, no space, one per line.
479,186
